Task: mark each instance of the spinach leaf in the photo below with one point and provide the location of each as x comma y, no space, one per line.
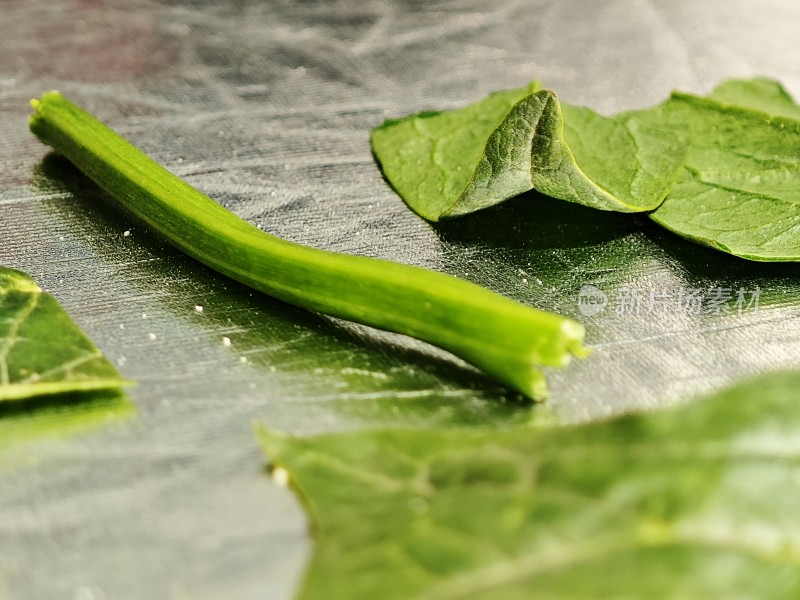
693,502
758,93
740,188
42,351
727,163
447,164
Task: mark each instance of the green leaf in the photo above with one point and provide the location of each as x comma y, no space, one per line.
733,158
451,163
740,189
694,502
42,351
759,93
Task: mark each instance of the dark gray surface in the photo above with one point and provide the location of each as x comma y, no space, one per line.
267,107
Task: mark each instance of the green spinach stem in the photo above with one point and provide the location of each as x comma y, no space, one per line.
505,339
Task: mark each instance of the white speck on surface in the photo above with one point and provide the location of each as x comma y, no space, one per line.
198,308
144,315
272,369
61,238
226,341
122,325
121,361
180,160
242,359
126,233
364,372
280,476
152,337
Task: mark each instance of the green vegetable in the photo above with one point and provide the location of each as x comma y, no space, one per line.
504,338
451,163
765,95
42,351
694,502
740,188
727,164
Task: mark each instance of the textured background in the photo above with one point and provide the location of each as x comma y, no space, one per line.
267,107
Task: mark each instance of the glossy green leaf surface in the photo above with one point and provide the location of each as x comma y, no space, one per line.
451,163
727,164
758,93
42,351
740,188
693,502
